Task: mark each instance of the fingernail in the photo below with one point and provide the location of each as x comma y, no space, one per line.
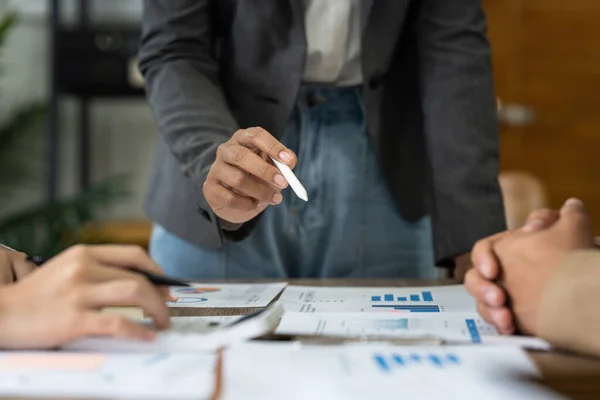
285,156
533,225
173,299
573,202
486,269
491,297
280,180
277,198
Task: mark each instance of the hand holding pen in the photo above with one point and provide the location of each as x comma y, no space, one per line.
62,301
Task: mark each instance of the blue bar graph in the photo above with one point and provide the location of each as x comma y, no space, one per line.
427,296
387,363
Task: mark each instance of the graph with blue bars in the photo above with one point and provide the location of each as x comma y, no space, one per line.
388,300
387,363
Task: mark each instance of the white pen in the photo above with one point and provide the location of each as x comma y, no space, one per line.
292,180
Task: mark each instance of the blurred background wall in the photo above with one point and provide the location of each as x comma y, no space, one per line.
123,130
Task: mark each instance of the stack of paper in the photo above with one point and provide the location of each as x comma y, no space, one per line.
445,313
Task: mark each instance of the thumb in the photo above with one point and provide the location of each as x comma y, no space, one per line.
573,207
574,215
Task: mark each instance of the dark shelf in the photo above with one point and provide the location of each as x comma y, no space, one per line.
88,61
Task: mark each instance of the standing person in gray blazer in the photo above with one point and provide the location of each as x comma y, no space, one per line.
386,110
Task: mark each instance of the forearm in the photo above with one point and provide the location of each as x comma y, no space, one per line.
191,113
568,314
460,125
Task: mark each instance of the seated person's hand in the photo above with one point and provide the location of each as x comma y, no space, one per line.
62,301
528,260
13,266
242,181
481,280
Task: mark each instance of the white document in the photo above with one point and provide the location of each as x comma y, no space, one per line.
467,328
96,375
454,328
426,300
276,370
226,295
191,335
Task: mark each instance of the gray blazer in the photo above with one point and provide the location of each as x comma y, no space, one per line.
212,67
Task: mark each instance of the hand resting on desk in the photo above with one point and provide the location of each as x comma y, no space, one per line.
518,265
62,301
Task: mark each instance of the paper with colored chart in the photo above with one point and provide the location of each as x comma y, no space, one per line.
422,300
466,328
279,370
95,375
226,295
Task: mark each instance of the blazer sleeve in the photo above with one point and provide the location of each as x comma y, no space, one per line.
460,125
569,317
182,83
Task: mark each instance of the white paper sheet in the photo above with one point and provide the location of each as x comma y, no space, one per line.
226,295
427,300
96,375
201,325
452,327
273,371
190,335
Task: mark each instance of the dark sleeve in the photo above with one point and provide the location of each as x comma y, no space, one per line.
183,88
460,125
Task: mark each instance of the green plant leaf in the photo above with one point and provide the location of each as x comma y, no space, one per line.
6,24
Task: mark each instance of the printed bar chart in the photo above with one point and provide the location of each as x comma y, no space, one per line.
388,362
386,300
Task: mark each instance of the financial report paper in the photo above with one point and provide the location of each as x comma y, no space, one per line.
226,295
254,371
459,327
414,300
